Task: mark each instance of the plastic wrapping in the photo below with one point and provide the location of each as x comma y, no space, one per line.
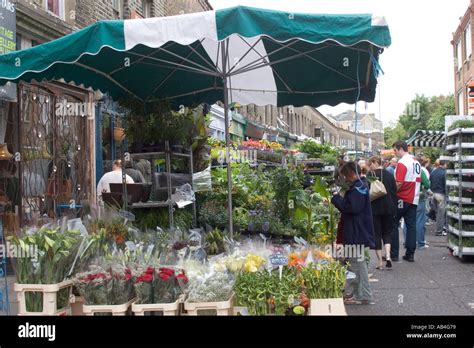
183,196
202,181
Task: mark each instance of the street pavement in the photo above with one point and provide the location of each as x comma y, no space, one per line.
437,283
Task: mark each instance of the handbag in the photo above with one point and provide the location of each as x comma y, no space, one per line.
377,188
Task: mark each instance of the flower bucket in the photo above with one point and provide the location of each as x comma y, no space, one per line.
221,308
328,306
168,309
49,293
115,310
76,305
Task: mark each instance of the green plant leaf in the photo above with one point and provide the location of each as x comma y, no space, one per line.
49,241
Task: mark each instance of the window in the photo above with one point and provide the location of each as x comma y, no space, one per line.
56,7
117,6
146,8
460,103
458,55
18,42
467,42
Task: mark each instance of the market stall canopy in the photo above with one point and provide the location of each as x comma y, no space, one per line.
427,138
272,57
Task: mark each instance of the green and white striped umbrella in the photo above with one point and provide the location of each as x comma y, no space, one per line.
271,57
240,54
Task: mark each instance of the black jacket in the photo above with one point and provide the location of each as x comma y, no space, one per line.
386,205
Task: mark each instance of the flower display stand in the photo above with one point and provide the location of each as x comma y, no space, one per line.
77,303
116,310
222,308
168,309
50,298
328,306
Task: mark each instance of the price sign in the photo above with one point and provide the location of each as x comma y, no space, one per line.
127,215
278,260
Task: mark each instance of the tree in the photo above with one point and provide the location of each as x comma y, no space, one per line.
420,113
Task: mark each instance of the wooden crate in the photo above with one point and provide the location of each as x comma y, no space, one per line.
116,310
168,309
221,308
328,306
50,298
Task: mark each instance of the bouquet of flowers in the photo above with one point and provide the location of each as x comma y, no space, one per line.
237,262
162,285
105,285
212,287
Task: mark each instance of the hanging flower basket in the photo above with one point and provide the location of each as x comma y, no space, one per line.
119,134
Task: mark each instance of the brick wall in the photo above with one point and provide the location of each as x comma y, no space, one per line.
91,11
176,7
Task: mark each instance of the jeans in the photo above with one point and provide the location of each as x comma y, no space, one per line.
360,286
406,211
439,201
420,224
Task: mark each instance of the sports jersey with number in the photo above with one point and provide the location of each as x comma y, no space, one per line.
408,172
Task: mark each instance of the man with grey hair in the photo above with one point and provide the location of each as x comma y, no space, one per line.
392,166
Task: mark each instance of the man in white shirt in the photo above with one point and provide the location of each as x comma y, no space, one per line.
113,177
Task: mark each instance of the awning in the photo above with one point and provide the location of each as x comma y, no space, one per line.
273,57
427,138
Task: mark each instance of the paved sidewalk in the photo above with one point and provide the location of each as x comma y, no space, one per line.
435,284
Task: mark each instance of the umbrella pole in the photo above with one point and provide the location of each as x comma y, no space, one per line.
227,137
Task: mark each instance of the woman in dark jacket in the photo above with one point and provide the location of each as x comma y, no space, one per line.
384,209
358,231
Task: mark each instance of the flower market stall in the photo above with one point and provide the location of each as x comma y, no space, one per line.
242,55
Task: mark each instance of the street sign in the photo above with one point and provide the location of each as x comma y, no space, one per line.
127,215
8,43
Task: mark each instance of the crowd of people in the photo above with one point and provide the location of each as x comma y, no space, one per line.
384,197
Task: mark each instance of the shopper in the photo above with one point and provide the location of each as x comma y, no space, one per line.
438,187
432,206
358,231
135,174
392,166
408,180
113,177
421,208
384,210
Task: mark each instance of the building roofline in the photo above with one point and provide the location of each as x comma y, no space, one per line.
462,24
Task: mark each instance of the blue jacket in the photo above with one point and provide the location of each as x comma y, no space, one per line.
356,214
438,181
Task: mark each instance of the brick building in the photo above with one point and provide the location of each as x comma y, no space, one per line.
310,122
58,155
463,67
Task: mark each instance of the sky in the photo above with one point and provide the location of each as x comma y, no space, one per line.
420,59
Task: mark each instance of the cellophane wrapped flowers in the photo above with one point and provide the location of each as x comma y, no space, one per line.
212,287
111,285
158,285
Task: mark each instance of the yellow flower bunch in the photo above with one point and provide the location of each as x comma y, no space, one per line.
275,145
253,263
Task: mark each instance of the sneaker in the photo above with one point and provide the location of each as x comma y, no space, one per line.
442,233
426,246
408,258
